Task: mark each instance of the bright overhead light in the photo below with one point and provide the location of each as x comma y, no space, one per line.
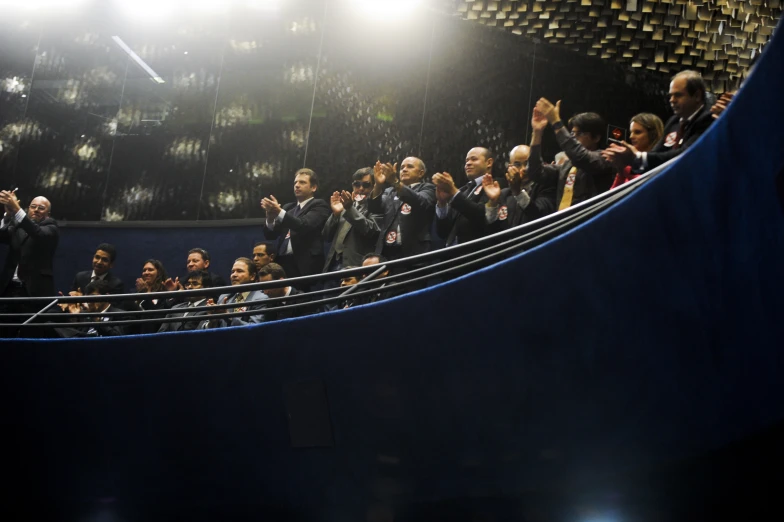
387,9
39,4
264,5
136,58
155,9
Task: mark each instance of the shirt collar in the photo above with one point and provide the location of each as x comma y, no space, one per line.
101,277
304,203
690,118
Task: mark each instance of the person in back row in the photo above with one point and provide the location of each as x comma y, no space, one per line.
691,117
645,130
585,173
297,226
523,200
103,261
461,213
351,230
198,260
407,203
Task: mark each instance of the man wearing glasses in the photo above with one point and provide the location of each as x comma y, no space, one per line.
585,173
32,237
351,229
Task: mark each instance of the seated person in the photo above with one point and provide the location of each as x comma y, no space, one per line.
194,281
153,279
263,254
242,273
370,260
275,272
103,261
345,282
92,326
198,260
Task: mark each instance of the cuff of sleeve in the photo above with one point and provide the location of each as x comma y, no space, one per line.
280,217
442,212
558,126
523,199
491,214
19,216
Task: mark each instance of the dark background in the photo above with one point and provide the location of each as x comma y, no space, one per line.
83,125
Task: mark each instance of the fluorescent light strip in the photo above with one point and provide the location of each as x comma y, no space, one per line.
153,75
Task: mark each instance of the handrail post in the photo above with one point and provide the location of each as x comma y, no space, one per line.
44,309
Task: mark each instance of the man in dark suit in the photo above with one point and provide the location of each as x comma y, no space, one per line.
193,281
103,261
523,200
407,203
32,237
242,273
297,227
351,229
92,326
461,213
585,173
691,117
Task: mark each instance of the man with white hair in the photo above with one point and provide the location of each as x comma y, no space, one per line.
32,238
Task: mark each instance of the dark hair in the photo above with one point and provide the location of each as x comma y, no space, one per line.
203,253
274,270
589,122
349,267
206,278
251,265
157,285
98,286
361,173
381,259
109,249
268,245
694,82
312,177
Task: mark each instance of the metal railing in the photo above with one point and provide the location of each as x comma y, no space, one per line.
406,275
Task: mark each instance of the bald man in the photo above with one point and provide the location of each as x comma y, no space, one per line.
32,237
523,200
460,212
407,202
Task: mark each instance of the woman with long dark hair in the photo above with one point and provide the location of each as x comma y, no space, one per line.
645,130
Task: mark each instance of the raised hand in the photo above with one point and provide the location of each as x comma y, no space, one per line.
171,285
538,121
271,207
141,285
346,198
336,203
551,112
378,174
492,189
515,178
721,104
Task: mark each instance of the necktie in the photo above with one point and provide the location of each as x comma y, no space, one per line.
568,193
284,245
239,299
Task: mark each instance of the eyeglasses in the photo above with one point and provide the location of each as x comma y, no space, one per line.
38,207
578,133
363,184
